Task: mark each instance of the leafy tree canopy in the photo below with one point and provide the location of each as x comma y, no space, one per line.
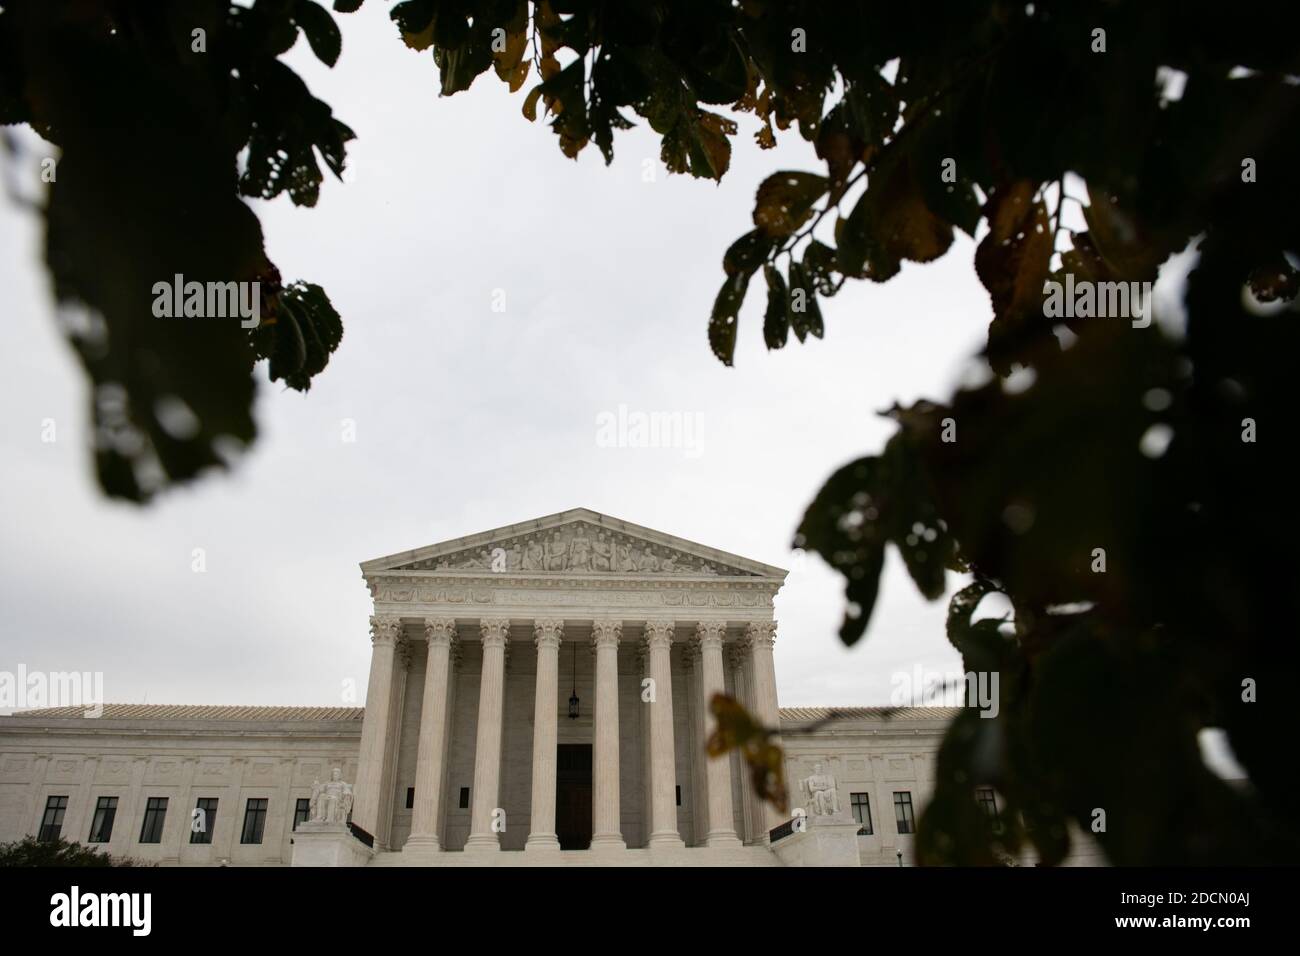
1126,488
30,851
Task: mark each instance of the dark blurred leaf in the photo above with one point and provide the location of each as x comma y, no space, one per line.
722,325
735,729
320,29
1013,261
785,201
776,319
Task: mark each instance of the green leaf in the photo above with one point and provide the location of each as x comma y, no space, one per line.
747,253
805,313
866,505
785,201
320,29
305,331
819,266
890,222
289,127
722,324
414,18
776,320
1013,261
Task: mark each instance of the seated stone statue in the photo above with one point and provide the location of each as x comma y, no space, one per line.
822,791
331,802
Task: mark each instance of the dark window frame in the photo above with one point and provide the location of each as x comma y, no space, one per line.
254,830
56,808
904,814
463,802
102,820
860,808
209,807
155,817
301,811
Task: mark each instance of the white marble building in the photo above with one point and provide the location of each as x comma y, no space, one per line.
470,750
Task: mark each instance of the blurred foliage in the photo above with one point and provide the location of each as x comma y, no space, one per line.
151,120
926,118
30,851
735,729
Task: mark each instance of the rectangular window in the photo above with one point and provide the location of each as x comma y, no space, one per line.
155,811
410,797
204,820
679,794
254,820
301,811
903,812
101,824
464,798
52,822
861,812
987,801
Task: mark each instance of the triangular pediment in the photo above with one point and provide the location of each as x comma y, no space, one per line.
577,542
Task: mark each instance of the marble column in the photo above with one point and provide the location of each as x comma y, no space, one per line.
760,636
606,826
385,633
487,748
643,740
663,758
388,785
431,758
722,829
699,778
547,635
453,685
751,815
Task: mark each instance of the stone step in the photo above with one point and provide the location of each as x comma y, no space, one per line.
688,856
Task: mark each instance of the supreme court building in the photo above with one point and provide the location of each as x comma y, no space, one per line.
537,695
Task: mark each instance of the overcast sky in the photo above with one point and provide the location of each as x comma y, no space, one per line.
466,418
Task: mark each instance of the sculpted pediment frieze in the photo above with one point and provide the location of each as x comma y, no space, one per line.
577,548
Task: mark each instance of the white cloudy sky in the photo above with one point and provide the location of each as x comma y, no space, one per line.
466,418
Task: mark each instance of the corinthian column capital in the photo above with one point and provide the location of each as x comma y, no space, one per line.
440,630
760,632
606,633
659,633
385,630
495,631
548,633
709,633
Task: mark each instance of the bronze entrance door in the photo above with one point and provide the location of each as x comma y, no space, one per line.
573,796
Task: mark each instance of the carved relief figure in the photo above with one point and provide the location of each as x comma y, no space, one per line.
534,555
625,561
603,558
823,794
648,561
556,553
580,552
514,558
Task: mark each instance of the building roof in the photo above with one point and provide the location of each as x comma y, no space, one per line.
246,712
427,558
869,713
201,712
